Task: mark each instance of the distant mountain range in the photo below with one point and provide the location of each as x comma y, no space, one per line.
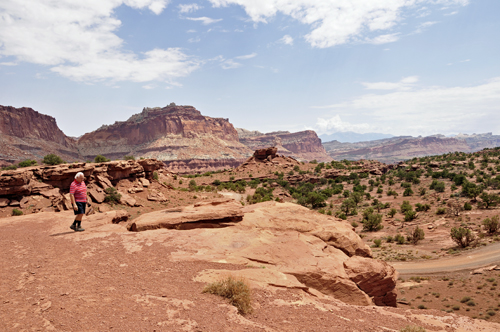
352,137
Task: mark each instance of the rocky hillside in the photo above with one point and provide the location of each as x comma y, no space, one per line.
168,133
304,145
27,134
396,149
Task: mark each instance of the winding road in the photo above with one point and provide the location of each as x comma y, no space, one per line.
469,260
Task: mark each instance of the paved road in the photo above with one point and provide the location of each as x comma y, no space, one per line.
469,260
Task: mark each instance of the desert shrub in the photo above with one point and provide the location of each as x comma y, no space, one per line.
128,157
467,206
112,195
192,185
17,212
437,186
52,159
471,303
100,159
389,239
465,299
354,224
405,207
236,291
261,195
400,239
348,206
217,183
422,191
377,243
342,216
412,328
489,199
27,163
421,306
491,225
441,210
416,235
456,307
422,207
410,215
392,212
372,222
408,192
462,236
155,176
8,168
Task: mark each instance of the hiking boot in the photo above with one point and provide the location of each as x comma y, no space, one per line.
73,227
79,229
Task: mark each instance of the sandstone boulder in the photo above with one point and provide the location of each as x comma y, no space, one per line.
96,193
127,200
376,278
4,202
103,181
24,202
212,212
144,182
268,153
156,195
51,193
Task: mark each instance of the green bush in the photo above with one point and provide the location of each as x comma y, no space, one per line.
377,243
400,239
437,186
27,163
410,215
408,192
112,195
372,222
236,291
441,210
416,235
491,225
52,159
389,239
467,206
422,207
155,175
100,159
17,212
128,157
465,299
462,236
392,212
405,207
9,168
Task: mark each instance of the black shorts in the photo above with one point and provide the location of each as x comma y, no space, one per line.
81,208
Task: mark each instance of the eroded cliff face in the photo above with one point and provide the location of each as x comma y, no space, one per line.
27,134
396,149
169,133
300,145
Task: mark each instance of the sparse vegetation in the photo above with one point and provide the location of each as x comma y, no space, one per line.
100,159
112,195
17,212
235,290
52,159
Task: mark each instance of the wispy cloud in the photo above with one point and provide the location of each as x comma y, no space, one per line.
230,64
287,40
194,40
88,50
189,8
425,110
245,57
8,63
404,84
452,13
337,22
205,20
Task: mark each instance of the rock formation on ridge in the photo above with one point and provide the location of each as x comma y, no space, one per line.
170,133
304,145
27,134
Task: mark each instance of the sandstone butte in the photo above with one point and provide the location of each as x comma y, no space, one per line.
25,133
307,272
180,136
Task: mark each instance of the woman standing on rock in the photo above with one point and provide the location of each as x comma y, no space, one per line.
78,194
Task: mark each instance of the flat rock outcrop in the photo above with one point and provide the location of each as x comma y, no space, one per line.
27,134
318,253
169,133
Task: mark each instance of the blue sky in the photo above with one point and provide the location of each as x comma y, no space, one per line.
401,67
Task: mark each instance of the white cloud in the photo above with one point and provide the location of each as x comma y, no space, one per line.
384,39
287,40
336,22
452,13
245,57
230,64
189,8
428,110
204,20
8,64
78,41
336,125
405,84
194,40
